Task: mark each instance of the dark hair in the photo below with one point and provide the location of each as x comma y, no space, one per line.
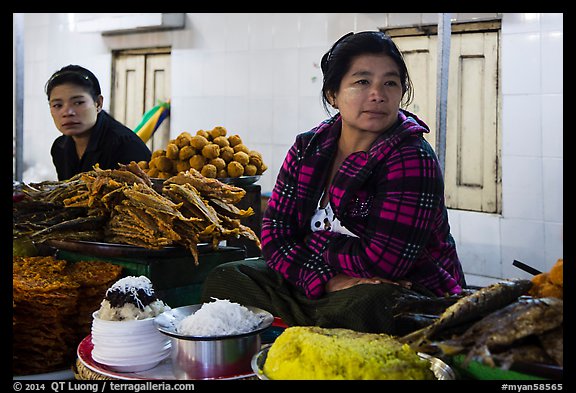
77,75
336,62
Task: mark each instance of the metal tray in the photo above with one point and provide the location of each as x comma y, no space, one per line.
441,370
240,181
117,250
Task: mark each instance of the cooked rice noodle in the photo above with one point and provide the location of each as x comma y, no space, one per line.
219,318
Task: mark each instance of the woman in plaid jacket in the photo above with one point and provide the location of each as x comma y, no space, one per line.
358,200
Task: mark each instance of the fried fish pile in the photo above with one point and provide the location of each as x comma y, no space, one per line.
52,304
122,206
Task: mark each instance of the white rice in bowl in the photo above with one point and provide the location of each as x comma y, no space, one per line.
219,318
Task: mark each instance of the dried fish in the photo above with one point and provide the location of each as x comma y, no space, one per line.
75,224
553,343
230,210
208,187
500,329
469,308
120,205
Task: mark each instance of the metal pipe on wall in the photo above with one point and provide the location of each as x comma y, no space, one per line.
444,32
18,169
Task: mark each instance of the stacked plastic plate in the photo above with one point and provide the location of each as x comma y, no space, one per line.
128,346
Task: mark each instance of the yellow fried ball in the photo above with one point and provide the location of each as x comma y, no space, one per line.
250,170
222,173
235,169
183,139
227,153
199,141
209,170
217,131
241,157
172,151
221,141
157,153
234,140
197,161
262,169
153,172
163,163
219,163
211,150
164,175
186,152
143,164
241,147
203,133
182,166
255,160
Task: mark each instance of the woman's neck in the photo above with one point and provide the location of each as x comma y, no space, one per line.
81,143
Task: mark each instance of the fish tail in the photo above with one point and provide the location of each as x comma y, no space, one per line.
415,339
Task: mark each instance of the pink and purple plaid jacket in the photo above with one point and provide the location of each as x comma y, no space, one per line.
392,197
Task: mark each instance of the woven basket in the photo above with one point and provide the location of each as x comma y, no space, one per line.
81,372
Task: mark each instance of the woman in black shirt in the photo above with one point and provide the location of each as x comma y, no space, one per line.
90,135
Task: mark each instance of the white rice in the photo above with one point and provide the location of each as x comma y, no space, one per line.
219,318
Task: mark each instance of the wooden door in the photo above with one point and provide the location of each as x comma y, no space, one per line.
473,165
141,80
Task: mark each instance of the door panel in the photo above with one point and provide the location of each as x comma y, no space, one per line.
420,54
472,166
141,81
158,89
128,92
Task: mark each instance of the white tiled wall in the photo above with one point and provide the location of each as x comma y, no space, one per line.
258,75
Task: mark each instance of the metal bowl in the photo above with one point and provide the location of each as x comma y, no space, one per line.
210,357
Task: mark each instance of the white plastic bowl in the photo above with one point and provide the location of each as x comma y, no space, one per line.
128,346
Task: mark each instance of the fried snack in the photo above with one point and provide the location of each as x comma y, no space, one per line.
227,154
182,166
153,172
250,170
158,153
217,131
53,301
241,147
197,161
557,273
186,152
235,169
209,170
262,169
172,151
211,150
206,147
549,289
549,284
319,353
199,141
183,139
234,140
242,158
143,164
163,163
221,141
219,163
203,133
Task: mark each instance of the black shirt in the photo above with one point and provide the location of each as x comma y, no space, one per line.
110,143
